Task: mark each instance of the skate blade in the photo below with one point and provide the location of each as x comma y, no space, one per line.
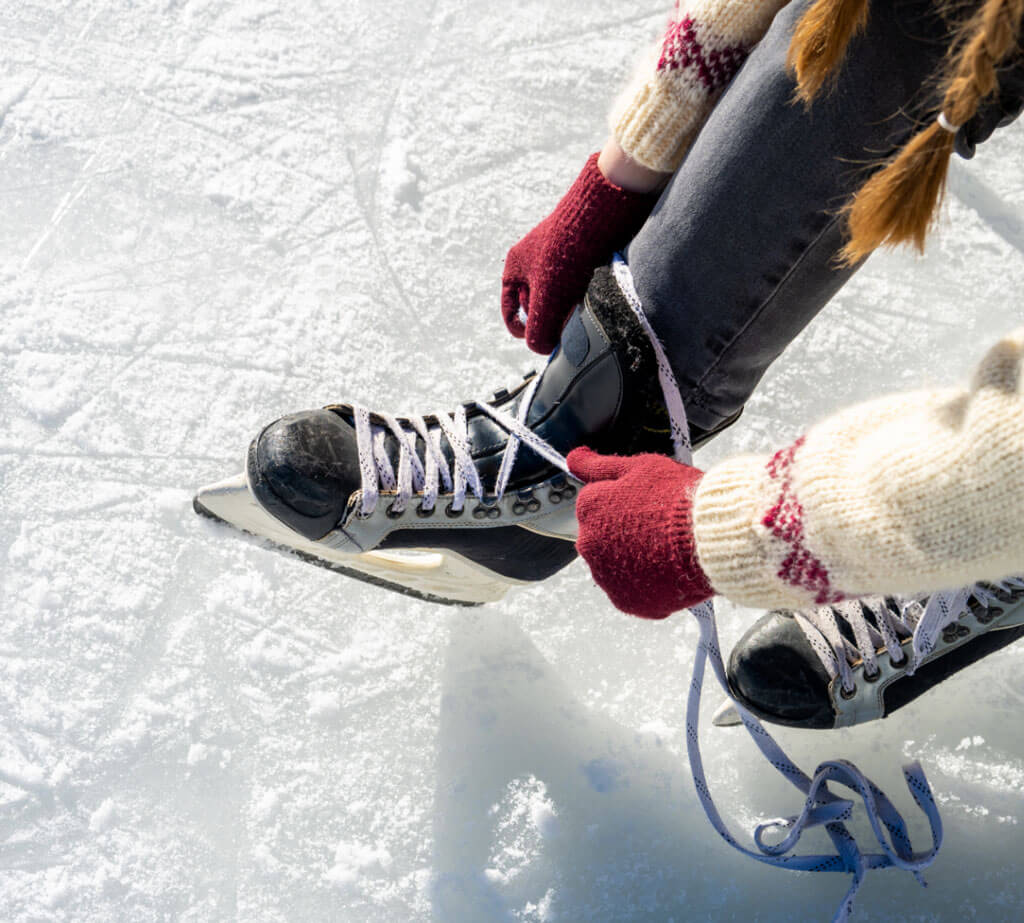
433,575
726,715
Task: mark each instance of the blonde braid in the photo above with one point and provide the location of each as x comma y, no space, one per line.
899,203
820,40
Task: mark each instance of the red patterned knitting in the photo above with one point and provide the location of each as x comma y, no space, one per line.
681,50
800,568
636,531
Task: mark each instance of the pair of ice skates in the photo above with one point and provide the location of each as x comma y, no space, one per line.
458,507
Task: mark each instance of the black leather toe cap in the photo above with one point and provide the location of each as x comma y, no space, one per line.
774,671
303,468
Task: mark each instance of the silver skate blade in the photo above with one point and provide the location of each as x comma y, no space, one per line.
433,574
726,715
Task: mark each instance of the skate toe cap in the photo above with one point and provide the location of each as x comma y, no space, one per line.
774,671
303,468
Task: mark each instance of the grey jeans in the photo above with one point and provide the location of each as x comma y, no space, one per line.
739,253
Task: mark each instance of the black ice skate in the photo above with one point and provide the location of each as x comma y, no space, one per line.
455,507
847,664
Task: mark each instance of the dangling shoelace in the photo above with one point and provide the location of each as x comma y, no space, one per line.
821,807
894,621
428,475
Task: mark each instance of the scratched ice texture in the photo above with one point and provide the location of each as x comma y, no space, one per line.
218,211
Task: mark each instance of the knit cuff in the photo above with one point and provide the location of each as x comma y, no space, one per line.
607,213
656,126
731,543
692,581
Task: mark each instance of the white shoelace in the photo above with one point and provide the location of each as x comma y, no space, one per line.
895,621
428,475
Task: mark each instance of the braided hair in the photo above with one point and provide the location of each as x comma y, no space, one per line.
898,204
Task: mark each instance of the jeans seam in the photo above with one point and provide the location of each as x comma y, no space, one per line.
699,385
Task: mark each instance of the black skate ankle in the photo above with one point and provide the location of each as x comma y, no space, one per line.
642,424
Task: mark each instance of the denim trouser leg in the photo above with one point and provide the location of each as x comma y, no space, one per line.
740,252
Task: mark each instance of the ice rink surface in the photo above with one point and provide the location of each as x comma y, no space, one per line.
216,212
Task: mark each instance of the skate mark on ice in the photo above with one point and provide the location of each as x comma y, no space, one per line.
861,308
83,180
87,455
369,218
46,184
977,195
228,141
15,96
655,16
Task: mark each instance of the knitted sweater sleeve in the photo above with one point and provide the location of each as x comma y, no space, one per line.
661,111
907,493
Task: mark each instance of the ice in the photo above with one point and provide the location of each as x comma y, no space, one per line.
217,212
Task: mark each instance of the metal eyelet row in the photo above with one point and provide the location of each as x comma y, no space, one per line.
421,512
984,614
525,502
952,632
874,677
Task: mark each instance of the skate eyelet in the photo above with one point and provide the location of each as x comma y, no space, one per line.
850,694
424,513
558,482
519,508
453,513
392,513
360,515
494,512
555,497
899,664
962,631
1003,595
480,513
872,677
533,505
569,492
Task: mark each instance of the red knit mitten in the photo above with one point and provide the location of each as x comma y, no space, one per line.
636,531
547,272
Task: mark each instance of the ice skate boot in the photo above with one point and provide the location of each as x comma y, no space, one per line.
459,506
860,660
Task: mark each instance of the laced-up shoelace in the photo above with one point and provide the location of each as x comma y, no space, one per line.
894,621
821,806
427,476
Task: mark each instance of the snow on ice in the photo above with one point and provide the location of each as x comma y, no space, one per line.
219,211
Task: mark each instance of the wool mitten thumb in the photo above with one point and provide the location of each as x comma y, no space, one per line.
636,531
547,272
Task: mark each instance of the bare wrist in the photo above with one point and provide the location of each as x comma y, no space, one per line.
619,168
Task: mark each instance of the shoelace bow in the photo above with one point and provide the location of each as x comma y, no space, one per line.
822,807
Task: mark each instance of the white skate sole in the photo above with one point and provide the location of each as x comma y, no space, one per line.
436,575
